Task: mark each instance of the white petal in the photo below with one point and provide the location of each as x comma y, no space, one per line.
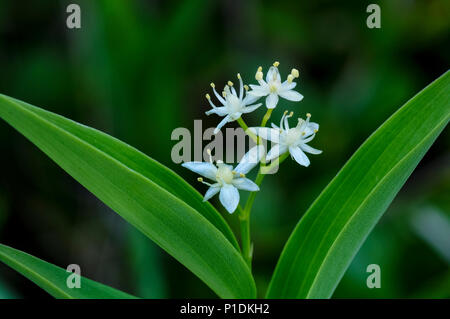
267,133
287,86
251,108
310,149
274,126
250,159
273,74
258,90
299,156
291,95
229,197
276,151
205,169
213,190
221,111
271,100
249,99
245,184
225,120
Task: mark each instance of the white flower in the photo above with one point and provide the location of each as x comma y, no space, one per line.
226,180
292,140
233,105
273,88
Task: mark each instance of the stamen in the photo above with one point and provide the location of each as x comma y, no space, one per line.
295,73
282,119
315,131
230,83
259,76
224,94
290,78
246,87
208,97
308,114
303,133
259,69
210,156
241,175
241,87
213,85
276,64
202,181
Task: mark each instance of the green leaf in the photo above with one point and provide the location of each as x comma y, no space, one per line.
149,196
53,279
333,229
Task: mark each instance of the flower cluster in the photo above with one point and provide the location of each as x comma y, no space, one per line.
286,140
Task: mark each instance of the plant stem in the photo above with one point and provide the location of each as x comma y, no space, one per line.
244,214
246,130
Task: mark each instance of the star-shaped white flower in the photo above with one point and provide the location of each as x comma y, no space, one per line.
233,105
292,140
273,88
226,180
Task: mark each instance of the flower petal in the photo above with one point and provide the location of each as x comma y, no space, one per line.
229,197
245,184
273,75
225,120
299,156
250,98
276,151
309,149
287,86
271,100
267,133
251,108
259,90
205,169
291,95
213,190
221,111
250,159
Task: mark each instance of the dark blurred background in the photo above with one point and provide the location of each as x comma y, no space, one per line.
139,69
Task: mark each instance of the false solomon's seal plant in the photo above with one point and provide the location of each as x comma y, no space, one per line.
169,211
224,179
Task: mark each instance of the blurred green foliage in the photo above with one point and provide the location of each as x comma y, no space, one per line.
139,69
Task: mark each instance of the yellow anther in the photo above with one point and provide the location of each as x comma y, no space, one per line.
200,179
246,87
295,73
230,83
207,96
290,114
224,94
315,131
238,76
233,172
259,76
260,69
308,114
276,64
241,175
290,78
213,85
303,133
285,112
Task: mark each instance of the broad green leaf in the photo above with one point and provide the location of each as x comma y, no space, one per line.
53,279
150,197
333,229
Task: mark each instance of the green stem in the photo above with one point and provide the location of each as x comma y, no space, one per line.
244,213
246,130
